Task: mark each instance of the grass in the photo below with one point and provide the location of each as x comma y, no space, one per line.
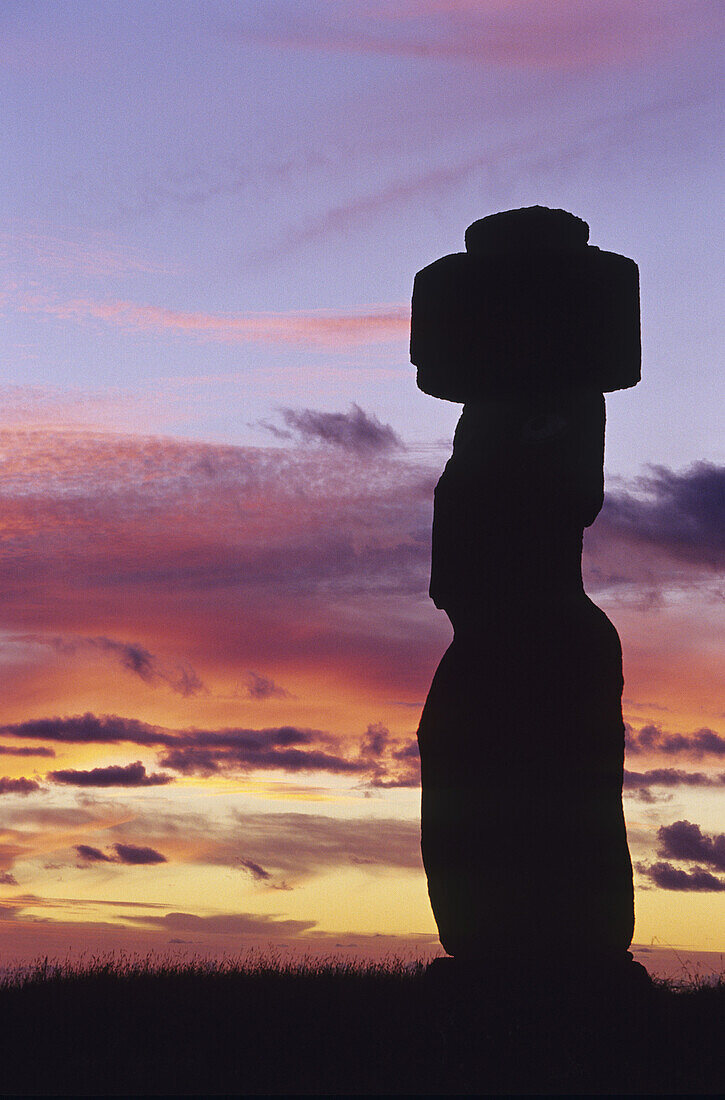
130,1025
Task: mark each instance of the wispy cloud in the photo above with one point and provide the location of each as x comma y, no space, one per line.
298,845
26,750
263,687
227,924
277,850
518,34
521,157
132,656
28,248
331,330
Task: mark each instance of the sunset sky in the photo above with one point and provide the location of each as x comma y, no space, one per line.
216,471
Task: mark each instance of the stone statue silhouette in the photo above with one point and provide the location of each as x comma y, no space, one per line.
521,738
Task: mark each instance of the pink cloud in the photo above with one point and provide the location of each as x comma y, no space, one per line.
294,550
27,246
328,329
522,34
227,558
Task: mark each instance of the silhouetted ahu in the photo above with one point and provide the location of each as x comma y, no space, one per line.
521,738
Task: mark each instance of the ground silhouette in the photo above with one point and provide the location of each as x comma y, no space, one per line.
147,1027
521,738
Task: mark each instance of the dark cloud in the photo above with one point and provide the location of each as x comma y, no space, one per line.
130,854
112,729
391,762
685,840
382,760
652,739
7,879
261,687
136,855
668,877
670,777
227,924
90,729
682,513
206,761
354,431
663,532
375,741
26,750
258,873
410,752
116,775
93,855
18,786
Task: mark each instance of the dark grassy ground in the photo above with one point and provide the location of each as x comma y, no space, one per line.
137,1028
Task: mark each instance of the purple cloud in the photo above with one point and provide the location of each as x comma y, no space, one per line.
227,924
670,777
116,775
354,431
194,760
89,729
18,786
682,513
262,687
652,739
136,855
131,656
668,877
258,873
26,750
92,855
130,854
685,840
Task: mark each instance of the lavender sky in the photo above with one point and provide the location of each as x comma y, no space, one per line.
216,471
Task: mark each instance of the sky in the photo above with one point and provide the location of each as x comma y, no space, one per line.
216,471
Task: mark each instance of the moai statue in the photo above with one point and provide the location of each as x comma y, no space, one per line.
521,738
